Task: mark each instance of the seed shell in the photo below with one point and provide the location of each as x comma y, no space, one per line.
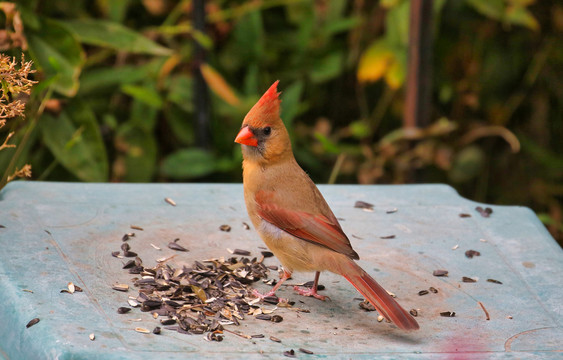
142,330
92,336
175,246
306,351
32,322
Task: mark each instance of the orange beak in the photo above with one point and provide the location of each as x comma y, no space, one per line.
246,137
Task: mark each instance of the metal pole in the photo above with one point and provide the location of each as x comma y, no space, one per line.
201,98
419,72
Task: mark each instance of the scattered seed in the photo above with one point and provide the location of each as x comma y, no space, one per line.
129,254
271,299
156,247
413,312
156,330
455,247
264,317
466,279
363,205
120,287
494,281
275,339
464,215
440,273
306,351
387,237
142,330
32,322
170,201
487,317
241,252
277,318
367,306
471,253
289,353
92,336
129,264
422,292
391,294
27,290
380,318
123,310
483,240
267,254
486,212
115,253
135,227
225,228
391,211
175,246
245,226
509,317
132,303
433,290
127,236
447,314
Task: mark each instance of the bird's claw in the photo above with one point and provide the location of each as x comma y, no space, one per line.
309,292
261,296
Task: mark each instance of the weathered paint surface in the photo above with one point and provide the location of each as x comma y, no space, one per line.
60,232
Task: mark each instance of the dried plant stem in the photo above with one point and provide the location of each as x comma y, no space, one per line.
25,138
488,317
5,145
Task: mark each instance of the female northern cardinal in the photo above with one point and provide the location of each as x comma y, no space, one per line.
291,215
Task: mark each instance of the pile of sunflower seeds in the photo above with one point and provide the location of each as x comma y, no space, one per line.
198,299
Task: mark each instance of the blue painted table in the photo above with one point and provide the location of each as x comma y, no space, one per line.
55,233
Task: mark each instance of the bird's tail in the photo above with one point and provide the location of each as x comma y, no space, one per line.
377,296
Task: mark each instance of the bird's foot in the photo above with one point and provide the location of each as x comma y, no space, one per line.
309,292
270,296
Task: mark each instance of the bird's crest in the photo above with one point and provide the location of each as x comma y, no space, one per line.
267,110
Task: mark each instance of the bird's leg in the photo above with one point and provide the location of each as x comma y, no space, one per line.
311,291
286,275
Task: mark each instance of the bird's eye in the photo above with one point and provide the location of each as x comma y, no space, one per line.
267,130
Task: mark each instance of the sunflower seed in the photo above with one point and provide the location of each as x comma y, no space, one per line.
471,253
466,279
387,237
422,292
120,287
170,201
123,310
92,336
494,281
156,247
225,228
277,318
289,353
486,212
447,314
413,312
273,338
142,330
380,318
363,205
245,226
156,330
391,211
464,215
440,273
175,246
433,290
32,322
305,351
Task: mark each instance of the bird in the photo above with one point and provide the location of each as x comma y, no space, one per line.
291,216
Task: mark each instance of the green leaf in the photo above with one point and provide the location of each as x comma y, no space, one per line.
114,36
328,145
328,67
180,92
397,25
290,105
249,36
101,79
467,164
188,164
145,94
180,124
520,15
493,9
58,54
138,150
75,141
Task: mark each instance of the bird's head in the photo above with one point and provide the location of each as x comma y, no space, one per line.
263,135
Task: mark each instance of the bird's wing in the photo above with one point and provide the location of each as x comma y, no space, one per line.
315,228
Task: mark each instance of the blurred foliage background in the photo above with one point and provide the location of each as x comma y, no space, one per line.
115,94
